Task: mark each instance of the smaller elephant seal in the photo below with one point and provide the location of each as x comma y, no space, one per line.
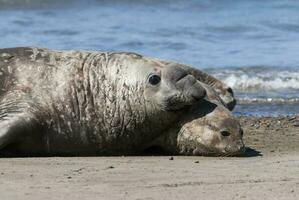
89,103
209,129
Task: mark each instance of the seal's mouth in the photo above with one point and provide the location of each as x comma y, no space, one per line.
234,153
177,108
176,103
181,77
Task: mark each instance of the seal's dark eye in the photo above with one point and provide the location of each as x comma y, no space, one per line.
154,79
225,133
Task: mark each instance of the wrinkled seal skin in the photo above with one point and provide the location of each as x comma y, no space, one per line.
208,129
88,103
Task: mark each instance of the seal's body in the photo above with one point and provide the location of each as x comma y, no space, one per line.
89,103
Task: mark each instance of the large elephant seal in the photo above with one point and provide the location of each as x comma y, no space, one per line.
208,129
88,103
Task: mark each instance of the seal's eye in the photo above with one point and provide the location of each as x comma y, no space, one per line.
225,133
154,79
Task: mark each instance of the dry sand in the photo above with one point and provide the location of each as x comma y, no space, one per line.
269,170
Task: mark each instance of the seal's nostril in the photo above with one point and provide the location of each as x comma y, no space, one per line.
230,90
225,133
241,132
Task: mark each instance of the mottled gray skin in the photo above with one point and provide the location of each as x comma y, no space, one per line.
88,103
208,129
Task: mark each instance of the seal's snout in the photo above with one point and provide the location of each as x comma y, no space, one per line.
187,91
198,92
191,88
231,104
240,147
228,98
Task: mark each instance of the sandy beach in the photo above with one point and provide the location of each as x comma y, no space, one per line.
251,46
268,170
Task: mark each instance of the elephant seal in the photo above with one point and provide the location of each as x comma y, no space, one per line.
88,103
85,103
208,129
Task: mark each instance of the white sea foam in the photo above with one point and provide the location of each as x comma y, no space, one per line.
245,82
268,100
259,79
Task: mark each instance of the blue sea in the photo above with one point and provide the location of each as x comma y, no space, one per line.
253,46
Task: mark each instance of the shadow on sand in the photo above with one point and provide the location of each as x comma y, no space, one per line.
250,152
158,151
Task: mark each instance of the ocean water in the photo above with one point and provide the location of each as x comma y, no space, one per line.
253,46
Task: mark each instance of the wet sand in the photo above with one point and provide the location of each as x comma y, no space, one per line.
268,170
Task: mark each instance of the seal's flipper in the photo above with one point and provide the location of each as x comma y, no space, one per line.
13,125
16,118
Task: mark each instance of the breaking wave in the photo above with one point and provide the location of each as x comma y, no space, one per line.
268,100
258,78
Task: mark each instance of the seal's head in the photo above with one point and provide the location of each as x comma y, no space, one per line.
207,129
165,86
171,88
215,133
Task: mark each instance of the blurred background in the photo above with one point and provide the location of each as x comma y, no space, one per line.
253,46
